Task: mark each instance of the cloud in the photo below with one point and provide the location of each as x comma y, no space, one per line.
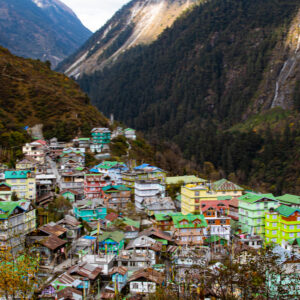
94,13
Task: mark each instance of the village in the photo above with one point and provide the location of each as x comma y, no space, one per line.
121,229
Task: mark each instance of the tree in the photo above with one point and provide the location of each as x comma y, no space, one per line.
14,196
18,275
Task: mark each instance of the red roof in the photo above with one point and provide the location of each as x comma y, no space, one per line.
111,217
234,202
42,142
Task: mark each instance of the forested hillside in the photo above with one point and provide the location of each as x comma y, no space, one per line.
30,94
207,84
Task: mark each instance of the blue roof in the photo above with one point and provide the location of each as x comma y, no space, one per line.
87,237
143,166
94,170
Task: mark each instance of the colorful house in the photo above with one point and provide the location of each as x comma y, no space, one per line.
116,196
16,218
189,229
111,168
282,225
89,211
100,139
69,195
119,277
111,241
252,209
130,134
22,182
5,192
93,184
289,200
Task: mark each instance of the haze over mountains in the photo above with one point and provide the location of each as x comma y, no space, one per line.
44,29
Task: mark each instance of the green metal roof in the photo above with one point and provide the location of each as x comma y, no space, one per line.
295,241
131,222
288,198
129,129
166,216
116,236
7,208
21,174
3,183
83,139
220,198
120,187
79,169
286,211
252,198
185,179
109,164
225,185
190,219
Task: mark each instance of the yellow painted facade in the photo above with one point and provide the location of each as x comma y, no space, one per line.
24,188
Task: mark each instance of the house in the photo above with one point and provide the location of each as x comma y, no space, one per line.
146,189
143,172
5,192
45,184
130,134
145,281
234,208
143,242
111,168
73,180
69,293
36,150
82,143
51,250
187,179
119,277
153,205
100,139
53,229
249,241
132,228
158,235
224,187
74,156
83,246
164,221
89,210
282,225
23,183
289,200
189,229
73,226
111,241
87,273
27,163
197,198
17,219
252,209
104,261
116,196
70,195
136,259
93,184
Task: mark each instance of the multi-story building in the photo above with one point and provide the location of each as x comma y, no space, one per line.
189,229
73,181
252,209
289,200
224,187
5,192
143,172
111,168
187,179
116,196
89,210
282,225
100,139
130,134
23,183
27,163
93,184
146,189
16,220
74,156
35,150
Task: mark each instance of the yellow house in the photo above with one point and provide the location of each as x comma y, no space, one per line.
197,198
22,182
26,164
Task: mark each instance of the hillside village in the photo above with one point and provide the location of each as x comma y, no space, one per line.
122,229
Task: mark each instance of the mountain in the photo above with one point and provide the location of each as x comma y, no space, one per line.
223,83
31,93
138,22
43,29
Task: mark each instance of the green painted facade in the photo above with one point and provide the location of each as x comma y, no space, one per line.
252,209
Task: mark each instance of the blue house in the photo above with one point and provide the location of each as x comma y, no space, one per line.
89,211
119,277
111,241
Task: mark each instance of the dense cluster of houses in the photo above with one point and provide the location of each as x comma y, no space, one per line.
124,233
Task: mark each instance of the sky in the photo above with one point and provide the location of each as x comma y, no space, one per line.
94,13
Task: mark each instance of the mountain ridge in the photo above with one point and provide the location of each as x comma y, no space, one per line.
40,29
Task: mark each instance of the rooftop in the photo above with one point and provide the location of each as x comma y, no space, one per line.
286,211
289,199
225,185
116,236
252,197
194,221
185,179
22,174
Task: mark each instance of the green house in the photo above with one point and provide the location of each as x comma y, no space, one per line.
289,200
69,195
111,241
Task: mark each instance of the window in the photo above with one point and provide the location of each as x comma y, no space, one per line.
196,193
268,224
274,240
292,227
197,207
223,222
274,224
258,221
135,285
298,226
211,221
268,239
298,234
203,205
274,217
268,231
196,200
274,232
291,235
257,205
284,226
